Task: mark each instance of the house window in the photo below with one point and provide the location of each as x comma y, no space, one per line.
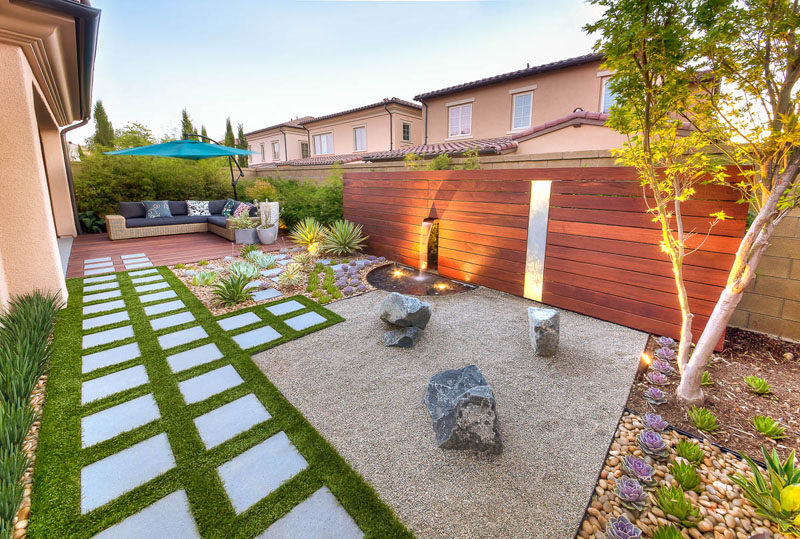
359,139
460,120
276,151
609,98
304,149
523,104
406,132
263,155
323,144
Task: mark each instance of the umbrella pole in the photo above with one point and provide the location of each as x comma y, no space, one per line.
233,182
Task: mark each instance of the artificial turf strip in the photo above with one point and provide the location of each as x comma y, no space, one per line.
55,508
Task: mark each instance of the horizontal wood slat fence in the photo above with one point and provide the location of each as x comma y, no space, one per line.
602,253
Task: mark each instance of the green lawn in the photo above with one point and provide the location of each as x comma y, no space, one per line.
56,504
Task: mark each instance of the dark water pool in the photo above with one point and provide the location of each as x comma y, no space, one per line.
405,280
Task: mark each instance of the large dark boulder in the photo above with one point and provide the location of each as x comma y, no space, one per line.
405,311
462,406
402,337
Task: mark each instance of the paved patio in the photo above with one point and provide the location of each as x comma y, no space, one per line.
557,415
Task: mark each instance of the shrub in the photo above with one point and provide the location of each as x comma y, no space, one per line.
343,238
262,190
769,427
690,451
92,222
672,501
309,199
204,278
180,265
307,232
245,251
243,222
703,419
203,263
231,291
471,160
441,162
757,385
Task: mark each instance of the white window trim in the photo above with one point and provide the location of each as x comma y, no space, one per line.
272,149
459,137
263,154
514,111
402,125
301,148
362,126
313,148
605,73
603,95
460,102
523,89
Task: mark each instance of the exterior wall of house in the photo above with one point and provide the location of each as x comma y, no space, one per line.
294,137
556,94
573,139
29,257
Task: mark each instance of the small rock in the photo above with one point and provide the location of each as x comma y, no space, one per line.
227,259
543,326
403,337
788,356
189,273
405,311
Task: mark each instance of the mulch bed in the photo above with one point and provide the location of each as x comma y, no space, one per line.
745,353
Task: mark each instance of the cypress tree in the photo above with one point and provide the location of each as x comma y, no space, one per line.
186,124
103,131
204,133
242,145
229,140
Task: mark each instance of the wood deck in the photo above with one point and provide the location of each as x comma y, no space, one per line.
161,250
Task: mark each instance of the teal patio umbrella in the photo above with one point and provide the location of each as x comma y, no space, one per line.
191,149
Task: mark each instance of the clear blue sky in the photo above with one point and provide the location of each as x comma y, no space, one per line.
264,61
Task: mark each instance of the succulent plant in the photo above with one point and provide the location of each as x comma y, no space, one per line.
372,258
689,451
631,493
663,367
703,419
381,259
307,232
341,283
204,278
769,427
672,501
667,342
667,532
303,259
621,528
245,270
639,470
245,251
655,422
343,237
292,275
651,443
655,396
348,290
230,291
686,475
705,380
361,288
759,386
262,259
655,377
666,354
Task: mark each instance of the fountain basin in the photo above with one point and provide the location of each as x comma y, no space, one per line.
407,280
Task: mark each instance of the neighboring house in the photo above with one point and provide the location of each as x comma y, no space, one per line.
47,50
74,151
282,142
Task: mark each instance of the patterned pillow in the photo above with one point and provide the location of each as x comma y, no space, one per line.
241,209
156,208
198,207
227,209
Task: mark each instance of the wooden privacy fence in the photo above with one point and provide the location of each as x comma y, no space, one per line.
580,237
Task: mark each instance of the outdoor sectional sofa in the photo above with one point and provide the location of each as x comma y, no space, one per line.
131,221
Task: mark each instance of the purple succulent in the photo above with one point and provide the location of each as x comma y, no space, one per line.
341,283
655,396
667,354
348,290
621,528
381,259
344,267
362,287
638,469
657,378
662,366
352,271
652,443
372,257
631,493
667,342
655,422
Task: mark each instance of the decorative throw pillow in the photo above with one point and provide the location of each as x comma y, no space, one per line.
198,207
156,208
242,209
227,209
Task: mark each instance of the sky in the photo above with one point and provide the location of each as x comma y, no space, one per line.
262,62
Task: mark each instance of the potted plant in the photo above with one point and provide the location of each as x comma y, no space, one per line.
244,229
268,229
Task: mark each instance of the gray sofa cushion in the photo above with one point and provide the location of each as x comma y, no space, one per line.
158,221
131,209
178,207
218,220
215,206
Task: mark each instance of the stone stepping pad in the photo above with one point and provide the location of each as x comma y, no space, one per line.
168,517
113,421
157,296
100,286
285,307
274,272
107,336
204,386
97,271
304,321
238,321
320,516
102,387
106,319
172,320
142,272
255,337
194,357
113,476
95,260
253,284
252,475
285,261
139,265
148,279
101,279
152,310
222,424
97,265
102,295
269,293
177,338
102,307
150,287
135,255
112,356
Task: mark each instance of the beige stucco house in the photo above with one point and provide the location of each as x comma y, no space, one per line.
278,143
47,61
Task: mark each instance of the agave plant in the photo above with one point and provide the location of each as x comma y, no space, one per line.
689,451
759,386
631,494
246,250
655,422
655,396
651,443
245,270
686,475
663,367
667,532
667,354
343,238
769,427
667,342
657,378
621,528
231,291
204,278
304,259
776,495
291,276
639,470
307,232
703,419
262,259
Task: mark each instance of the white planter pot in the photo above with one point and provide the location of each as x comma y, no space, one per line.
246,235
267,235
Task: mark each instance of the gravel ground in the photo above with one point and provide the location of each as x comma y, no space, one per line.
557,415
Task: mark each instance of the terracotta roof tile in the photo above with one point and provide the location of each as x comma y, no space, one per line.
495,145
290,123
574,118
384,101
323,159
